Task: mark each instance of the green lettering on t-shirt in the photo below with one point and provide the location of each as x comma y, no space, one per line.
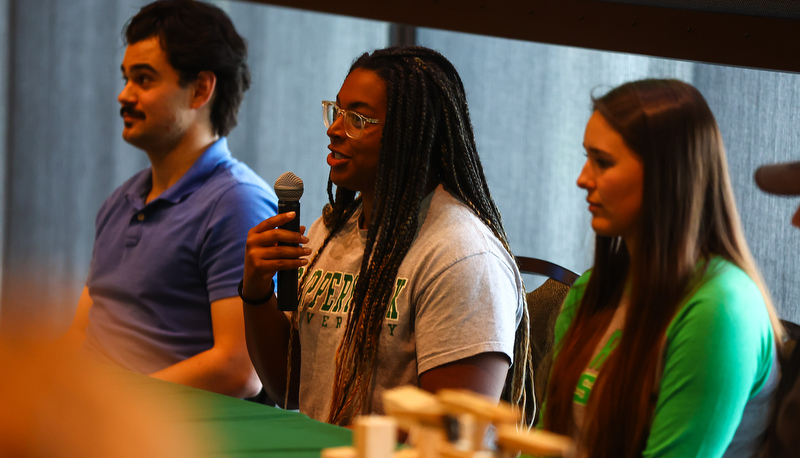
610,345
312,282
300,271
309,316
391,328
321,289
350,296
586,380
325,321
391,314
330,298
347,281
584,389
338,322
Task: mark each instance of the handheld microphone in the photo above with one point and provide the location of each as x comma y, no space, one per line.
289,189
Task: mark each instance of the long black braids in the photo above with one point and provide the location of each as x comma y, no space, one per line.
427,139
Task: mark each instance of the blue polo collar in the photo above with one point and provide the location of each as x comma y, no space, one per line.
197,174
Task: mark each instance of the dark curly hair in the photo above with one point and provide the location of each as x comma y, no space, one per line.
198,37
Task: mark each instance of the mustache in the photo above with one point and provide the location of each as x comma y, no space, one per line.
130,112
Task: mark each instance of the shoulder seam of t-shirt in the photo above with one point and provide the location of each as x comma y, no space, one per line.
434,277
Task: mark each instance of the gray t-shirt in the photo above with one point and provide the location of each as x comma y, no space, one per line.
458,293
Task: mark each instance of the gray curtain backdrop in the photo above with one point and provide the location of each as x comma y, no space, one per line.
61,152
4,110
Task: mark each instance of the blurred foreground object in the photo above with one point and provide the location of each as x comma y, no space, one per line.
57,405
449,424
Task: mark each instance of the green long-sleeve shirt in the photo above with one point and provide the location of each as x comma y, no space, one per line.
718,361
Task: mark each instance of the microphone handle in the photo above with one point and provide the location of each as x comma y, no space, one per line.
287,279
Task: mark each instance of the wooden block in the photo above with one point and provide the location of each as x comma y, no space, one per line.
338,452
482,407
535,442
374,436
428,441
410,405
448,451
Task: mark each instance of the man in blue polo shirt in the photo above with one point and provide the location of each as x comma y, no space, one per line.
161,294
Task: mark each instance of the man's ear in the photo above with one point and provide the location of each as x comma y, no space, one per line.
204,87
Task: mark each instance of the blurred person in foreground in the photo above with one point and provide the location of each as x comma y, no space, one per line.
87,411
784,440
407,278
668,345
161,294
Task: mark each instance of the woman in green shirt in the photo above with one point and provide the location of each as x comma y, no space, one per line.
671,338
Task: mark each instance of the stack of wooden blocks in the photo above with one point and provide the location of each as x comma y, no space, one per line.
449,424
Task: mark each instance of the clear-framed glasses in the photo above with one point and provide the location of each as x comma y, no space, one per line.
353,122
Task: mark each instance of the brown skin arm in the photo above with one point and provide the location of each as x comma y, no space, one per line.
267,329
484,373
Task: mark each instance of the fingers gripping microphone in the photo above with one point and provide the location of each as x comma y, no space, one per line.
289,189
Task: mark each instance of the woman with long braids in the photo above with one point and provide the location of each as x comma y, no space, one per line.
407,278
668,346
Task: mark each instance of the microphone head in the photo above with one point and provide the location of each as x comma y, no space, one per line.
289,187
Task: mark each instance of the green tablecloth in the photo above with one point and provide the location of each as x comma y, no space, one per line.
246,429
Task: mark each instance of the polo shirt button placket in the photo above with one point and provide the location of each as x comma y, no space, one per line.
133,233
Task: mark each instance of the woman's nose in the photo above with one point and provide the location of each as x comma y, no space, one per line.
336,129
585,179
